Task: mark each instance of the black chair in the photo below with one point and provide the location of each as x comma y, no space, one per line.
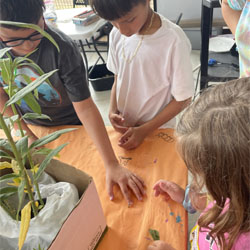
80,2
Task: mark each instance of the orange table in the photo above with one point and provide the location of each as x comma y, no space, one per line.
155,159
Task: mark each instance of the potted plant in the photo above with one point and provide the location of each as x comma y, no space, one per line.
16,155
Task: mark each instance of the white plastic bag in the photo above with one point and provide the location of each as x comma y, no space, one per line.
61,199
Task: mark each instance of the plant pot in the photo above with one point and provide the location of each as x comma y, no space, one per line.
100,77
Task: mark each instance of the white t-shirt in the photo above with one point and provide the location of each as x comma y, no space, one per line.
160,70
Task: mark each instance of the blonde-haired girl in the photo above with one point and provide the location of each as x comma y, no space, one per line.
213,140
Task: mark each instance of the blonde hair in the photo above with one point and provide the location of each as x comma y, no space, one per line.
213,139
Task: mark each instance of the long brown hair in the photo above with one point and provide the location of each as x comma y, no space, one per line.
214,141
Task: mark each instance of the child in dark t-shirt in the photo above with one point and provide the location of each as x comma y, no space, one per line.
68,100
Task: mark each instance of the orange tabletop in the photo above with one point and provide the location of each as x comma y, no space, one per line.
155,159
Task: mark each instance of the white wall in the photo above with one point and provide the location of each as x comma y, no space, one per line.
191,9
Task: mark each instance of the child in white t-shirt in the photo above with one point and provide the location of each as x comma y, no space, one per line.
150,57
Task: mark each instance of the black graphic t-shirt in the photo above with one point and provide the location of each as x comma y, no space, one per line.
69,83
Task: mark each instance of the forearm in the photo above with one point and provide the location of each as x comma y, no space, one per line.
113,104
93,123
230,16
169,112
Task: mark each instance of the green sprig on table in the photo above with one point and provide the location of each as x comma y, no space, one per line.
154,234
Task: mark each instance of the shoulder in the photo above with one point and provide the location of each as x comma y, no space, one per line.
242,242
115,35
65,43
173,32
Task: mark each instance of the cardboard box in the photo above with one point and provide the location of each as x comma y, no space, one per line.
86,223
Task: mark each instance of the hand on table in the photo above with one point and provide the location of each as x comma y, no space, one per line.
132,138
117,122
125,180
169,190
159,245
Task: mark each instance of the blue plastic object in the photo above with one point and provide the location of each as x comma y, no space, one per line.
212,62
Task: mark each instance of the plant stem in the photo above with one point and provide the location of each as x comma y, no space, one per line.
35,181
29,156
20,163
13,107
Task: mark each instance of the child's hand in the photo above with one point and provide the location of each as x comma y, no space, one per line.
117,122
132,138
160,245
169,190
126,180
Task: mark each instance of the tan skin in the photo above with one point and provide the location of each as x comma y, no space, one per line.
170,190
231,16
90,118
137,22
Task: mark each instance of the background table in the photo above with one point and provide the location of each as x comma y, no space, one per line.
155,159
79,33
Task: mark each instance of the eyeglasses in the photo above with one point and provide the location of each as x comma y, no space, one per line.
19,41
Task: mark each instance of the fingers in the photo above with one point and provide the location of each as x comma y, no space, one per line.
120,129
125,137
126,194
110,190
137,186
160,245
117,118
127,140
162,185
117,122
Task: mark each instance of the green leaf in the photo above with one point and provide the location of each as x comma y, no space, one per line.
22,146
8,177
35,116
4,154
154,234
32,103
21,195
6,196
10,120
4,144
7,190
11,91
49,138
4,51
20,94
37,68
47,160
43,151
32,26
28,80
6,70
19,60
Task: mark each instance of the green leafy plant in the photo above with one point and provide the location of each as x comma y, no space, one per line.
154,234
16,155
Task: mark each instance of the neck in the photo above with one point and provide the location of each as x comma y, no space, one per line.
148,23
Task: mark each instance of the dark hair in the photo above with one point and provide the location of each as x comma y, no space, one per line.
26,11
213,139
114,9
